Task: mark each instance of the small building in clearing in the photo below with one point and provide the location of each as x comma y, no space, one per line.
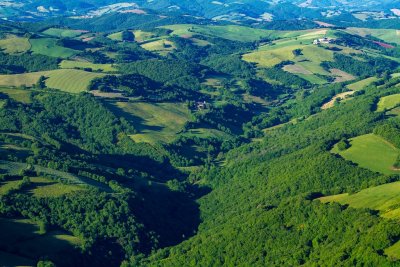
324,40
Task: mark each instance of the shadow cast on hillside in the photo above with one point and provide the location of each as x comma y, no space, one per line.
172,216
161,171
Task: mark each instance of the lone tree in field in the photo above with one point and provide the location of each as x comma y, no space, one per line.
128,36
41,83
297,52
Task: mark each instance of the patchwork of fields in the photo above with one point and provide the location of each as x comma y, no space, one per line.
306,63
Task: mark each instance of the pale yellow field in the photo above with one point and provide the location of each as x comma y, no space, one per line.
14,44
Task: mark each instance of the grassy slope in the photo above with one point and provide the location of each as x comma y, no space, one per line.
17,94
27,79
307,65
14,44
49,47
388,102
68,80
154,122
70,64
371,152
361,84
231,32
21,243
56,32
388,35
44,187
384,198
162,47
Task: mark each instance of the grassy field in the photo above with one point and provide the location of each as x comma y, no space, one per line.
70,64
24,79
72,81
20,95
162,47
143,36
22,243
206,133
384,198
361,84
393,252
272,57
57,32
14,168
371,152
49,47
388,102
44,187
308,63
388,35
230,32
14,44
115,36
68,80
7,186
154,122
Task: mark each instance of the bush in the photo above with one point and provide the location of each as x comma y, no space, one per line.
343,144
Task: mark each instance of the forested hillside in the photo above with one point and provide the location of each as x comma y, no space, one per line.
143,137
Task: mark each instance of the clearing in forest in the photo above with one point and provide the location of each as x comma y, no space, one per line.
371,152
388,102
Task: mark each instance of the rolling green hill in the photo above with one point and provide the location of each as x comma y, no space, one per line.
202,141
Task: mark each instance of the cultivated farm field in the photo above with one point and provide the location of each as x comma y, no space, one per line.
67,80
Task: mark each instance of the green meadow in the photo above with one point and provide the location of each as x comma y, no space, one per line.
388,35
357,86
59,32
49,47
43,187
19,95
383,198
72,64
230,32
162,47
388,102
67,80
14,45
153,121
371,152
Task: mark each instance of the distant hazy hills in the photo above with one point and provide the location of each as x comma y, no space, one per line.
252,10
